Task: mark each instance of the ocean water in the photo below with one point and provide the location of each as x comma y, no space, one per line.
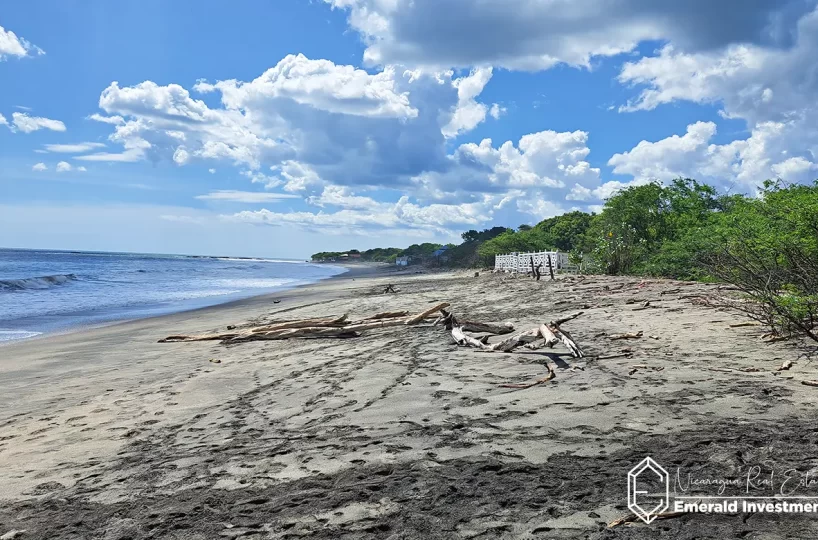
54,291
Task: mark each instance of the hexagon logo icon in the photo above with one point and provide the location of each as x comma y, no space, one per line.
648,490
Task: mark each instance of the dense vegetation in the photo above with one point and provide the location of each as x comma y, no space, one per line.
419,252
565,233
766,245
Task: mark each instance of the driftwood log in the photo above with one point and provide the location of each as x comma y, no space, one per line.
388,315
305,323
545,335
465,340
311,328
550,339
499,329
629,335
419,317
509,344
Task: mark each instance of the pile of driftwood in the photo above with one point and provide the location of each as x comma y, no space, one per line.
338,327
545,335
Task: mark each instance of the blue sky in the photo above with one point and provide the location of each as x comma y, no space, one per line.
288,127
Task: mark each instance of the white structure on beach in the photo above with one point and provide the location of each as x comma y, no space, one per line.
521,262
402,261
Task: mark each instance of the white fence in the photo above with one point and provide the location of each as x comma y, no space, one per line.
521,262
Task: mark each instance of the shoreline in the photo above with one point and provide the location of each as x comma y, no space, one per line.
352,271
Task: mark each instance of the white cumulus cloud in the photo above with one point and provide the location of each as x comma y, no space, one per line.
13,45
28,124
743,162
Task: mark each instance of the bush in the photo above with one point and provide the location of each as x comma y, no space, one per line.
768,248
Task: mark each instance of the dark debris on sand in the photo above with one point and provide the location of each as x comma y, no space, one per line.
429,499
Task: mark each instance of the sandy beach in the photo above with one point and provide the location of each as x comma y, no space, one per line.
399,433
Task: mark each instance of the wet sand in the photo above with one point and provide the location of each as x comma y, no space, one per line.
398,433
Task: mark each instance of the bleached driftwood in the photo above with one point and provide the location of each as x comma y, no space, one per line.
549,338
553,334
449,321
545,335
321,331
463,339
419,317
509,344
569,342
284,325
785,366
304,323
629,335
315,332
311,328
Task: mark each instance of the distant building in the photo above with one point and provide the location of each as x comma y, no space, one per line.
402,261
441,254
354,255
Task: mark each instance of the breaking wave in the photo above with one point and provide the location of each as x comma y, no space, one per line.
43,282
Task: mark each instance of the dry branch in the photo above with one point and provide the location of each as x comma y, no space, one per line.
626,352
388,315
523,386
564,320
747,323
198,337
